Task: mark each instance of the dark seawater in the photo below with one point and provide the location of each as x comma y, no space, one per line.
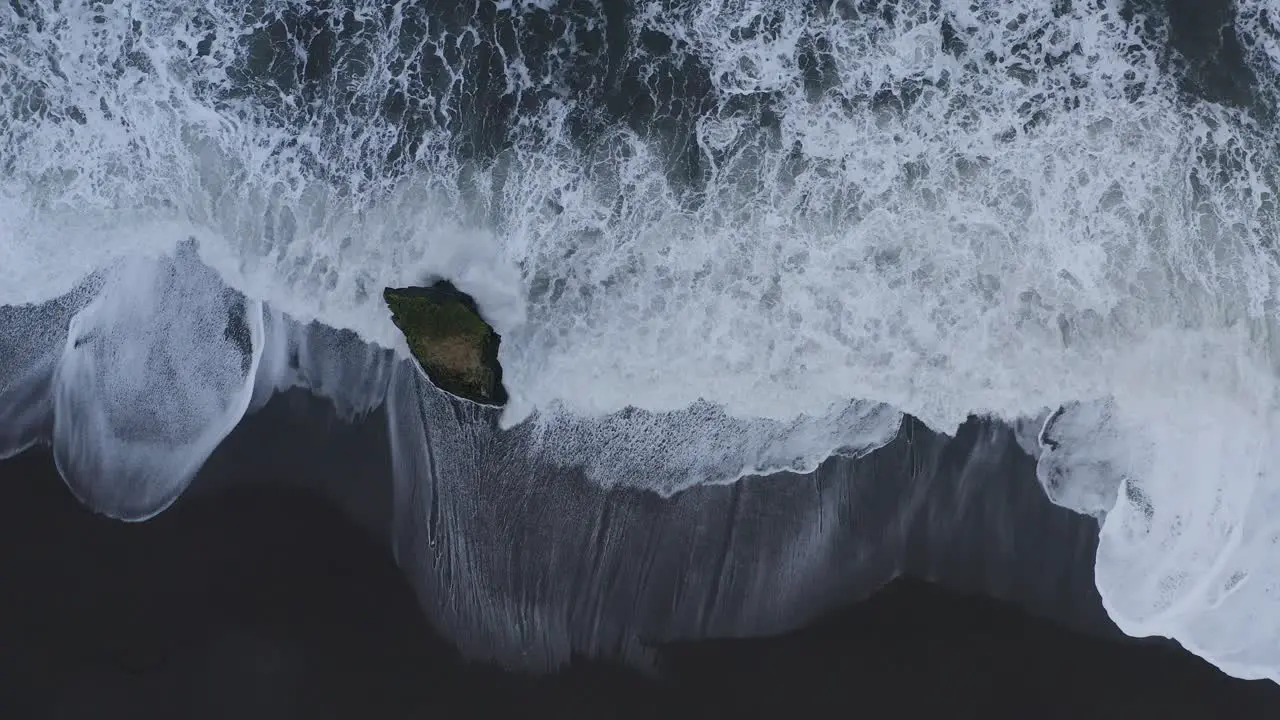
269,591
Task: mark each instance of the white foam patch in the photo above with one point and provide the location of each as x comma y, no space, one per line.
1257,25
155,372
670,452
1187,550
1076,453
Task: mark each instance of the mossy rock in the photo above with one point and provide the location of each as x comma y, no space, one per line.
449,338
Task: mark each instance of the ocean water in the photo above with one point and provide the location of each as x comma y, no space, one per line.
720,239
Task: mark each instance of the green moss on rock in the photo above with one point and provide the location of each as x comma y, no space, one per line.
449,338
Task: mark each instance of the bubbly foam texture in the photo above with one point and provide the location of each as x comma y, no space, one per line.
1076,456
944,207
1258,29
31,343
669,452
156,371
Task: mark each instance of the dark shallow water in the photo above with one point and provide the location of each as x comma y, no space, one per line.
256,596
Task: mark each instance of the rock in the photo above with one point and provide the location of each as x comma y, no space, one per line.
450,339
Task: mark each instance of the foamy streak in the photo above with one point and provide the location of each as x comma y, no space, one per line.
334,364
950,208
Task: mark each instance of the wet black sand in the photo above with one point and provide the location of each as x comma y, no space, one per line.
255,597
